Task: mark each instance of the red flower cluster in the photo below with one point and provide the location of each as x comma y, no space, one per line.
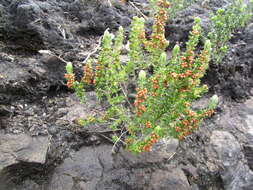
186,126
140,98
155,84
148,124
149,142
88,74
98,72
70,79
158,39
208,113
163,3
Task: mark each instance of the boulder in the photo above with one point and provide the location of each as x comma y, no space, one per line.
19,148
226,157
20,155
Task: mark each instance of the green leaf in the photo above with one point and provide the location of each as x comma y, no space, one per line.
115,138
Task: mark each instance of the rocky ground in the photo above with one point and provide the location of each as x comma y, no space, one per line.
41,147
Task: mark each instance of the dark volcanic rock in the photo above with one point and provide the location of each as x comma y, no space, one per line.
28,76
96,168
169,180
53,24
22,148
19,152
226,154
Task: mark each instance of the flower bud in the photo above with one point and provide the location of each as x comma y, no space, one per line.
69,68
175,50
208,45
142,75
220,11
197,20
213,102
158,130
163,58
121,29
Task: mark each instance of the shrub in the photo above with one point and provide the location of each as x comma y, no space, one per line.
165,89
175,6
224,22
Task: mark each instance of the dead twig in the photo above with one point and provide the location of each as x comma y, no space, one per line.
172,156
96,49
138,10
119,139
123,88
88,56
99,132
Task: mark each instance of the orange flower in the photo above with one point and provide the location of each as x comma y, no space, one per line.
191,113
185,122
70,80
208,113
148,124
181,137
174,75
187,104
183,58
195,32
147,148
184,65
142,108
140,98
88,74
154,94
188,73
155,84
177,129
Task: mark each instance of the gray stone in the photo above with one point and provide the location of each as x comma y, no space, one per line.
248,147
225,155
161,151
174,179
22,148
76,110
86,166
97,168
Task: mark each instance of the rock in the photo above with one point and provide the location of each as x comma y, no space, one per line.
164,150
248,146
226,156
27,185
97,24
248,108
75,109
169,180
54,24
20,155
29,76
97,168
15,149
86,166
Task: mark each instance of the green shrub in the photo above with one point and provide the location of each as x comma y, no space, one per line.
175,6
165,89
224,22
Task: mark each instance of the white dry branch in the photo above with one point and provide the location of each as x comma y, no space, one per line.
96,49
138,10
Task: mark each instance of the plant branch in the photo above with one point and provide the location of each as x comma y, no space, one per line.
138,10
